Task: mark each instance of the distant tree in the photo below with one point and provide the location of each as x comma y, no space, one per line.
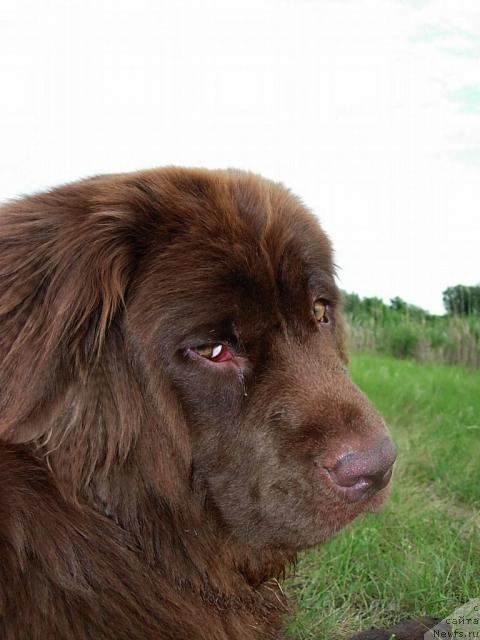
373,303
462,300
351,302
410,310
375,307
397,304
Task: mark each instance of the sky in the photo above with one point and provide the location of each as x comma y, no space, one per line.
367,109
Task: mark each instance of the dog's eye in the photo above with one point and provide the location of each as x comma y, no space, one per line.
214,352
320,309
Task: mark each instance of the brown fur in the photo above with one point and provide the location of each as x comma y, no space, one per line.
144,494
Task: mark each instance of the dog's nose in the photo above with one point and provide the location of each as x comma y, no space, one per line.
359,473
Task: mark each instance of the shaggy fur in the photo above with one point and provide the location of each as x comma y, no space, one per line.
146,491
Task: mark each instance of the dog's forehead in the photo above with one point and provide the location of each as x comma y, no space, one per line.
245,215
285,234
242,243
241,228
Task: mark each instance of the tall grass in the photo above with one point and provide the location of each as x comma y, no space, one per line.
442,339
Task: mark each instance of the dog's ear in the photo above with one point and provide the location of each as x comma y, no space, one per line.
66,260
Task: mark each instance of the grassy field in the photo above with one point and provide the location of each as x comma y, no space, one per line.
421,554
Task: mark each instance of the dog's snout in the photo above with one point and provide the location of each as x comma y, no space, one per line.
363,472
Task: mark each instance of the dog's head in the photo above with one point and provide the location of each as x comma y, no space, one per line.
185,325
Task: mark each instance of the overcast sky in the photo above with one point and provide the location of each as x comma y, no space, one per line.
368,109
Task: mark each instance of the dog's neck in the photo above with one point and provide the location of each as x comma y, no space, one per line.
181,533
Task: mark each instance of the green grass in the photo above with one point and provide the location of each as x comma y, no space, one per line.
421,554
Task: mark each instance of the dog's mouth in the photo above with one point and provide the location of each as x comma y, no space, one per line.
348,503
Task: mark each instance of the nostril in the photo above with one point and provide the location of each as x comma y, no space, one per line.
385,479
362,471
346,474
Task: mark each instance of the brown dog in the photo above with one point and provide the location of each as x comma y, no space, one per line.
176,420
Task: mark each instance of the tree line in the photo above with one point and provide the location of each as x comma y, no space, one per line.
459,300
407,331
462,300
